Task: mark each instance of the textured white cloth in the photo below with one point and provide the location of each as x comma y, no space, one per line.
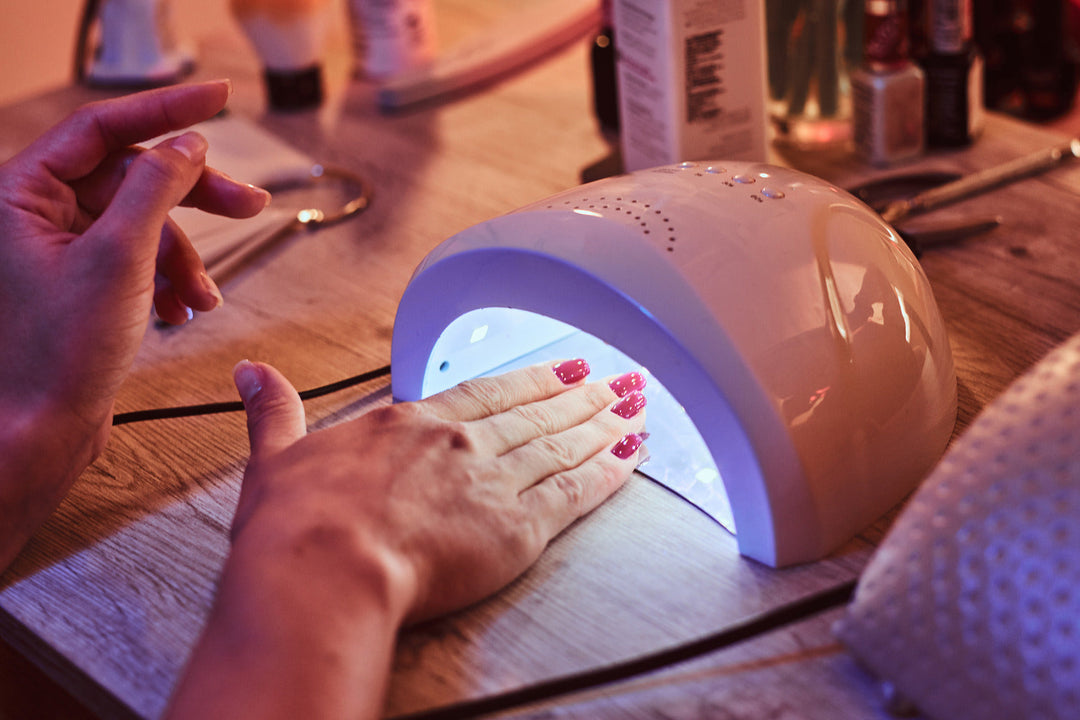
971,606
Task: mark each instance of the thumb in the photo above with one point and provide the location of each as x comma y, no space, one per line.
275,415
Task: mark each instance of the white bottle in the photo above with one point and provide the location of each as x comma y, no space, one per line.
138,46
393,36
691,80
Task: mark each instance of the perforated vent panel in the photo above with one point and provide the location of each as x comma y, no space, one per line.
971,607
653,224
654,210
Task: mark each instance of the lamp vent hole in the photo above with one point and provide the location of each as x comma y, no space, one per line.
444,366
652,223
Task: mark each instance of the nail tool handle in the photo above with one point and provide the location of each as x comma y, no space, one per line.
982,181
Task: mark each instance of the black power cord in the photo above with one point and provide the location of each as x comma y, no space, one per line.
753,626
745,629
237,406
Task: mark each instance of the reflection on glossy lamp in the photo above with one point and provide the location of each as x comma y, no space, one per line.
791,324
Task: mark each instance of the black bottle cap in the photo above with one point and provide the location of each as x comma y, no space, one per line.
295,89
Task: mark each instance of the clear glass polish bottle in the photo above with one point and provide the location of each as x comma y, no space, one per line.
889,89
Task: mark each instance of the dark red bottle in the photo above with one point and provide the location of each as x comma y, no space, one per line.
954,75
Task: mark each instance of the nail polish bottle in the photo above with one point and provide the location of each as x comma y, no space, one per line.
954,75
604,78
393,36
888,90
288,36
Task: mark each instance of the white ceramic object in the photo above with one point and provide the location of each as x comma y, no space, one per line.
970,608
138,45
286,38
793,325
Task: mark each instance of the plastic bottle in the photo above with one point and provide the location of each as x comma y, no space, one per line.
393,36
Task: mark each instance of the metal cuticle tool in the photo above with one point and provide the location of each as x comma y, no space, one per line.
900,197
980,182
358,190
342,183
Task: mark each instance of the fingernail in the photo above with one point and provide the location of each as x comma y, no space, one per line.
627,446
227,82
627,383
570,371
629,406
248,379
211,287
191,145
262,191
643,456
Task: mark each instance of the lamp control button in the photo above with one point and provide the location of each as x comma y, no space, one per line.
686,165
714,170
745,179
772,193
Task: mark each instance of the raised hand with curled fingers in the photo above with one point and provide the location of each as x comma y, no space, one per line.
86,248
407,512
340,536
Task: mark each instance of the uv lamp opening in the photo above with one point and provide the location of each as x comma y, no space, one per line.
823,395
492,341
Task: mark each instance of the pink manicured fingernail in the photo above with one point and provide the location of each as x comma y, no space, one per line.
570,371
192,145
629,406
248,379
627,446
627,383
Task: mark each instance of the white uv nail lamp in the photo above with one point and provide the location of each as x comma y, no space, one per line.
800,378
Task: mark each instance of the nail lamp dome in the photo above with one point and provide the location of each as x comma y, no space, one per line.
792,325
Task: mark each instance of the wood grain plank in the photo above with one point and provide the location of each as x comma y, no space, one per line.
111,594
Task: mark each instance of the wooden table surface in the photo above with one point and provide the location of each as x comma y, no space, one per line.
111,594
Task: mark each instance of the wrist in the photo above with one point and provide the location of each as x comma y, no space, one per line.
314,558
310,614
42,453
